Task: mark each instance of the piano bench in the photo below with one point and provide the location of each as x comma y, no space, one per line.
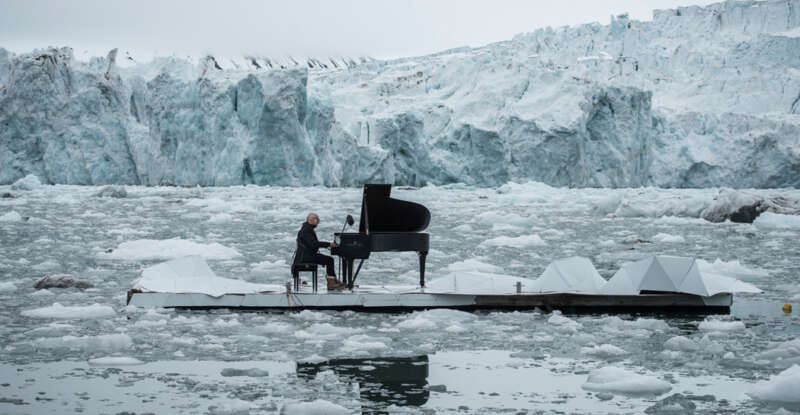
304,267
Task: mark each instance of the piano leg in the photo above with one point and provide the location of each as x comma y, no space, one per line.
348,278
422,256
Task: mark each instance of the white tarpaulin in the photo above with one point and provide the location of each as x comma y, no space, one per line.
671,274
477,283
192,275
569,275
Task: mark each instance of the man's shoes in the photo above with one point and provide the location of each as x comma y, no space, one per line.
333,284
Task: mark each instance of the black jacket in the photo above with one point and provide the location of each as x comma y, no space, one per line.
307,244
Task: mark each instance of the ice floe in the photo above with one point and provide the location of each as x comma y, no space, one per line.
316,407
524,241
103,342
115,361
144,249
783,387
71,312
11,217
617,380
769,220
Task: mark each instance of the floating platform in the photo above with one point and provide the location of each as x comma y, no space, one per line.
653,285
395,299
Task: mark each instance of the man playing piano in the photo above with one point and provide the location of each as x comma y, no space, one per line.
308,250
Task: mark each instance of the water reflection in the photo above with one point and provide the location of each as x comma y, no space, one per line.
383,382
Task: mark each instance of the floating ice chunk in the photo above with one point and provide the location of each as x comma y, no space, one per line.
252,372
732,269
562,323
29,182
117,192
115,361
782,387
308,315
11,217
524,241
782,355
769,220
668,238
617,380
314,358
144,249
681,343
71,312
268,267
317,407
718,325
323,331
416,322
221,218
230,407
603,350
363,342
473,264
107,342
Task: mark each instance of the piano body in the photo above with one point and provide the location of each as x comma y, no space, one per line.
385,225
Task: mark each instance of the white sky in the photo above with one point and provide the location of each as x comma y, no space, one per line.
378,28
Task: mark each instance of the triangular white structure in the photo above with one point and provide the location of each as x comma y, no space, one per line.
569,275
671,274
192,275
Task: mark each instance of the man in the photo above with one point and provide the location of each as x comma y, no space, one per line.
308,250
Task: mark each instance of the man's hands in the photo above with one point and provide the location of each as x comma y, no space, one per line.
333,245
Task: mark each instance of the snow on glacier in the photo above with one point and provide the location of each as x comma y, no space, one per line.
697,97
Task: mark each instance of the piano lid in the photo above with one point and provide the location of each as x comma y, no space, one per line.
381,213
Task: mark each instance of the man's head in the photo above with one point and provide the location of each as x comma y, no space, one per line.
312,219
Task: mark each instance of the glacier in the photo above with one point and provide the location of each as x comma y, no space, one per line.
696,97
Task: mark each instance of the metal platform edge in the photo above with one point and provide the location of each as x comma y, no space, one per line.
402,302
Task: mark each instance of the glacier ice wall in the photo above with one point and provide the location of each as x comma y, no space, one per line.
697,97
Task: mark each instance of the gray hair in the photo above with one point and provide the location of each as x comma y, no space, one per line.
311,215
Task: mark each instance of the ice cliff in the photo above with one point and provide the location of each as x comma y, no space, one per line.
697,97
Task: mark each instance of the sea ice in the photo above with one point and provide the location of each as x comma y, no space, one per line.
104,342
733,269
524,241
667,238
316,407
145,249
115,361
11,217
782,387
718,325
603,350
769,220
617,380
71,312
7,286
681,343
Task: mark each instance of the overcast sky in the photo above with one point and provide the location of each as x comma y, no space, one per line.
382,29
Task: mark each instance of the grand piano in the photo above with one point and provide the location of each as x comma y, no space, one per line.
386,225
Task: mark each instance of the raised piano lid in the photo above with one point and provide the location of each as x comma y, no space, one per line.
381,213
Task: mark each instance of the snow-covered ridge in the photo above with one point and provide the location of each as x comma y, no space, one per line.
697,97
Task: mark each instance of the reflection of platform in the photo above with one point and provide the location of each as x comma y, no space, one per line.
400,298
383,381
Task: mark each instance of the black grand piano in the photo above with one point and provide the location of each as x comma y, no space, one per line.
386,225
